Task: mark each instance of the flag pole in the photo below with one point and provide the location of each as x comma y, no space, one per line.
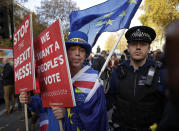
61,125
111,52
26,117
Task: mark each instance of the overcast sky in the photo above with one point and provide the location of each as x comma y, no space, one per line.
83,4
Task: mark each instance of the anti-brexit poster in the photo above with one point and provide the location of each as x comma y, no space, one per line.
24,73
52,68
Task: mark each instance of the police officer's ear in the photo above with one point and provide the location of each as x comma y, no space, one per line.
128,48
149,48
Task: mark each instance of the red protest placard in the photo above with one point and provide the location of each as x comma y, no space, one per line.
53,69
24,73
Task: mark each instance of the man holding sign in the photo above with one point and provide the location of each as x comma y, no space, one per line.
89,114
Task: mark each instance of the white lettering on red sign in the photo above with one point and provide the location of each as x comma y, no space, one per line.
45,38
45,52
22,57
21,32
51,64
52,78
23,72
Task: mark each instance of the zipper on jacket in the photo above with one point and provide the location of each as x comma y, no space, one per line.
135,80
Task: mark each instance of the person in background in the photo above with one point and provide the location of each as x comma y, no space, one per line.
157,54
89,59
170,122
113,62
8,83
99,61
89,114
94,59
135,90
122,59
97,64
127,54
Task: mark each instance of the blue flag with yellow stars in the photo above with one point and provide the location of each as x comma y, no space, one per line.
109,16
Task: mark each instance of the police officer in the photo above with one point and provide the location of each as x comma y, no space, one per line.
135,90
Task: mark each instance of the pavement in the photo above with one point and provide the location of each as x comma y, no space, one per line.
15,121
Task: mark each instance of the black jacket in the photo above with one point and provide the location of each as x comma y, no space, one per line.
97,64
136,105
8,75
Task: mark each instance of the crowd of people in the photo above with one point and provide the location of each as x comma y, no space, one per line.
142,86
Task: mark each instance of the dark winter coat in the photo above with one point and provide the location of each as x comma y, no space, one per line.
8,75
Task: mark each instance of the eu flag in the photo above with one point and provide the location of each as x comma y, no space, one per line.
109,16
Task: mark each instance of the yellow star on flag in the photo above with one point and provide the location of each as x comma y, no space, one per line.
108,15
70,115
132,1
109,22
100,23
123,14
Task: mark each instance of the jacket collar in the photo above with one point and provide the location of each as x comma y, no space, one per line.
148,63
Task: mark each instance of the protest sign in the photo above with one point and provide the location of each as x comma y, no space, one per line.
24,73
53,69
